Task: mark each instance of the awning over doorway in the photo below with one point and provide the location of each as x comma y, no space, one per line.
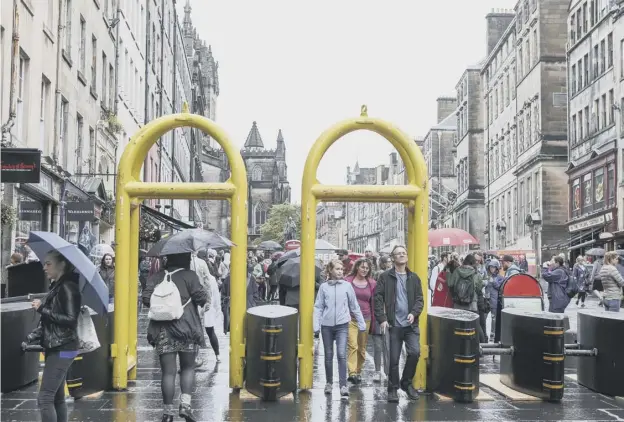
166,219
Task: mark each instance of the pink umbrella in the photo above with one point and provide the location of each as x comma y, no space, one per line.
450,237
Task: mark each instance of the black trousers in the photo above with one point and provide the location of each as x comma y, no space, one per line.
411,338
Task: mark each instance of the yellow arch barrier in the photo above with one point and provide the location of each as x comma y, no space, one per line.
130,190
414,195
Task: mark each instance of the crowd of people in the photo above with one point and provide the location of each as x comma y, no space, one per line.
376,297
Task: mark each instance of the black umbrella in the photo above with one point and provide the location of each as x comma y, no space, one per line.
595,252
290,272
270,245
190,240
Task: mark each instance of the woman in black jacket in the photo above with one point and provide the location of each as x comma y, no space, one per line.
57,334
180,337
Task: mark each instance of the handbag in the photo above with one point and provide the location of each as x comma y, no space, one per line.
87,336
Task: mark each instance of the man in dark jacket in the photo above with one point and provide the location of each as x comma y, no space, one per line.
398,304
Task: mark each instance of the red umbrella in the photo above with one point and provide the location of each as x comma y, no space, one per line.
450,237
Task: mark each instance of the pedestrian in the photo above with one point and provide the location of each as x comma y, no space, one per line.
335,303
579,276
211,315
398,304
612,283
107,272
557,277
435,272
381,341
364,287
466,287
492,291
177,338
199,265
57,334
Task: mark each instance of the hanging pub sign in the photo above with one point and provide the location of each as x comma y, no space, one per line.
80,211
20,165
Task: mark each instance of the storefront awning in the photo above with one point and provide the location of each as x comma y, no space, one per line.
568,242
166,219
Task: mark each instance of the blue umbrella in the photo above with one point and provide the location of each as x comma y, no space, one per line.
94,290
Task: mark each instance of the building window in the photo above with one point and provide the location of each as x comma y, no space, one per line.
586,69
529,59
111,86
536,190
592,13
520,135
596,115
534,49
256,174
585,18
576,198
520,63
586,121
596,68
604,110
91,150
599,191
22,96
573,130
79,142
68,28
93,64
64,130
104,102
587,193
580,126
609,50
83,45
572,30
43,112
573,79
611,188
579,66
610,106
507,89
603,53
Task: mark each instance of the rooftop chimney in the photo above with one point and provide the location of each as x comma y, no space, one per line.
446,106
496,23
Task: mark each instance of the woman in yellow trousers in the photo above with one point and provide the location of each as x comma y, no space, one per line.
364,287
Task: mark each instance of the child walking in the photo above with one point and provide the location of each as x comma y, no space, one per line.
335,303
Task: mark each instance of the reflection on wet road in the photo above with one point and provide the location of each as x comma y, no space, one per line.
214,401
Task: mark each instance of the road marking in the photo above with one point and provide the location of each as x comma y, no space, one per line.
616,417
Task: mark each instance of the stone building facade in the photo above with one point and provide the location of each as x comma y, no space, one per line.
329,223
524,82
267,175
595,72
439,153
469,208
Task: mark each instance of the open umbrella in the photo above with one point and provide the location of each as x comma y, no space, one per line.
94,290
269,245
595,252
289,273
450,237
190,240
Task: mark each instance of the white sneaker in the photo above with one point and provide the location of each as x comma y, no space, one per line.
344,393
378,377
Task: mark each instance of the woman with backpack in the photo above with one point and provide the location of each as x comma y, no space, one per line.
558,279
466,287
57,333
175,328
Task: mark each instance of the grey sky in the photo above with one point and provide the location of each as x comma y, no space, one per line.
302,66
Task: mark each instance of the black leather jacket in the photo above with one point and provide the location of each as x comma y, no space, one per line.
59,311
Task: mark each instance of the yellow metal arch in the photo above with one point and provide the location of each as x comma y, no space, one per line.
414,195
130,190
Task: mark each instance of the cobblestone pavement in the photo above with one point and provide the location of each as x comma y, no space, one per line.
214,401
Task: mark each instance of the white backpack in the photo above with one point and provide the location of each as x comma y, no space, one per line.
166,303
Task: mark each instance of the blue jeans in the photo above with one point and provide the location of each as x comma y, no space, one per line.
339,334
612,305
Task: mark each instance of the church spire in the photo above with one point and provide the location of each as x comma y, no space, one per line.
254,140
280,151
186,23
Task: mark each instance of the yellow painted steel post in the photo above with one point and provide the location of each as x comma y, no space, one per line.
119,349
133,288
128,187
414,194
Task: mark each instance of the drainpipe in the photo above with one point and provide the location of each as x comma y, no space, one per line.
487,170
116,103
161,86
6,128
57,115
146,108
173,94
57,93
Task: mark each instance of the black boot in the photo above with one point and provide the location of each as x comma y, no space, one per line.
167,418
186,413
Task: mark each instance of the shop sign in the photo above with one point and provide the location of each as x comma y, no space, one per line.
596,221
79,211
30,211
20,165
